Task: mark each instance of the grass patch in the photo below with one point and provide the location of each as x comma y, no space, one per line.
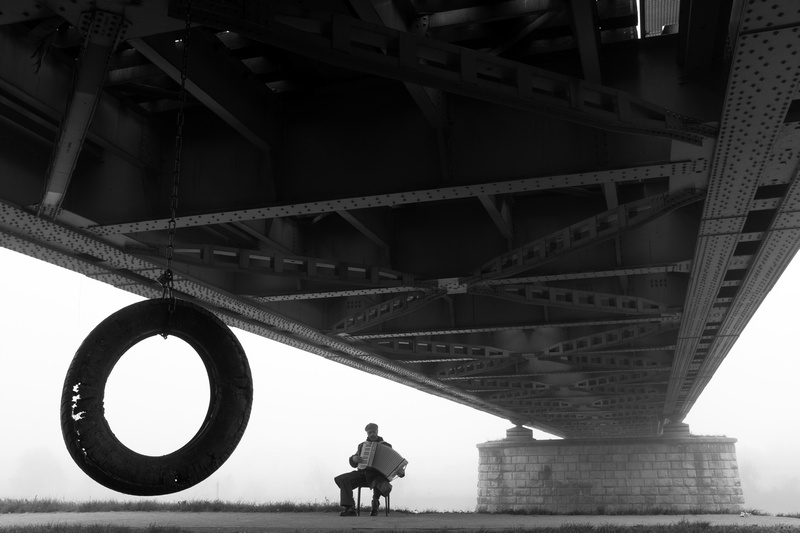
681,527
46,505
49,505
89,528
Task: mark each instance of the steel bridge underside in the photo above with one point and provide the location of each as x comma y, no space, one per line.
522,206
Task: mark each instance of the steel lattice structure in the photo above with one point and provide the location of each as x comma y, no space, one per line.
521,206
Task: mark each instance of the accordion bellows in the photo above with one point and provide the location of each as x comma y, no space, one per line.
383,458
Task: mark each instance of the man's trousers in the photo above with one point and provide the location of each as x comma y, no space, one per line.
349,481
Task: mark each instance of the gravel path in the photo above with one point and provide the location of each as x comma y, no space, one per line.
286,522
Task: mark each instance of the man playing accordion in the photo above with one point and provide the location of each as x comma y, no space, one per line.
374,470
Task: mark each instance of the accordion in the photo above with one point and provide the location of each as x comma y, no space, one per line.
382,458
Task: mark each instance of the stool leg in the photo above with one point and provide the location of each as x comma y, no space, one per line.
387,505
358,505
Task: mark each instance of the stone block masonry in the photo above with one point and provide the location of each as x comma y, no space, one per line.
593,476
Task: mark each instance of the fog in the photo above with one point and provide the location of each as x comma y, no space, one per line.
309,413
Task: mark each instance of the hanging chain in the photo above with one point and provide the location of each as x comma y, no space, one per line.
167,279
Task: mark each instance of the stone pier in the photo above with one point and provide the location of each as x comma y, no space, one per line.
673,473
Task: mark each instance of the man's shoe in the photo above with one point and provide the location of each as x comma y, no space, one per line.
350,511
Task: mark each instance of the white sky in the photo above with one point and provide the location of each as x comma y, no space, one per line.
308,413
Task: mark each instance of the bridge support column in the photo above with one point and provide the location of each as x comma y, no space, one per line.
675,472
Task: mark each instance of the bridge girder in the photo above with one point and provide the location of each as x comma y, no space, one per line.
521,207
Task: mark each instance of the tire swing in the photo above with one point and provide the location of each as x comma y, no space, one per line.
89,439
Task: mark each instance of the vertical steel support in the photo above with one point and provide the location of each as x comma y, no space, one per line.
583,23
102,32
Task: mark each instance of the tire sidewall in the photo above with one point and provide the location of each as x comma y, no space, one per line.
89,439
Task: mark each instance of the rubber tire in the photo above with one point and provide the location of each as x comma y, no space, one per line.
89,439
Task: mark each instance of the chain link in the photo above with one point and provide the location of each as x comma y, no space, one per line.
167,278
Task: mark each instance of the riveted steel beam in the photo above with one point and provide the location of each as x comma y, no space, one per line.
584,234
359,45
269,263
436,350
530,184
610,360
604,339
683,267
778,246
648,376
632,402
752,121
494,385
542,295
629,404
524,326
388,310
476,368
602,390
622,418
320,295
536,389
102,32
599,377
537,384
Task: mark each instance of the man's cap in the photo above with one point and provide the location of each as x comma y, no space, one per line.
371,425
